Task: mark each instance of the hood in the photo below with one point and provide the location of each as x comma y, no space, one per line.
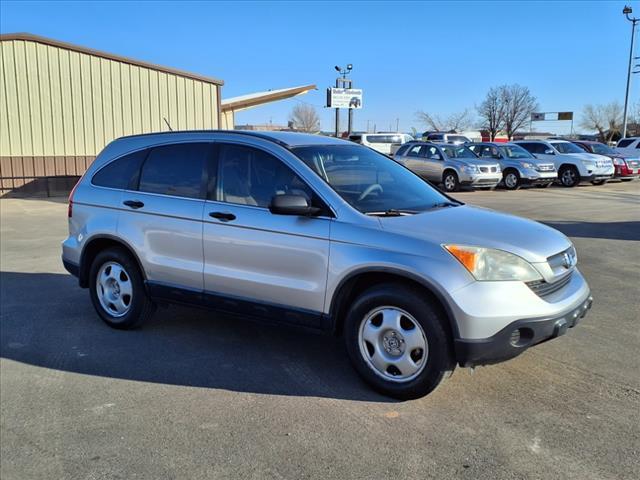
585,156
481,227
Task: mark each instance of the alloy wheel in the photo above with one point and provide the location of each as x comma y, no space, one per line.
114,289
393,344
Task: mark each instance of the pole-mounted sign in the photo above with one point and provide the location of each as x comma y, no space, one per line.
344,98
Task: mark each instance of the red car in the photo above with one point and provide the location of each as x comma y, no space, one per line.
627,167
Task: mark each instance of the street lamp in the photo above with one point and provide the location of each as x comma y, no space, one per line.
626,11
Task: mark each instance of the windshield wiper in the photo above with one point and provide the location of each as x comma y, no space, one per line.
393,212
445,205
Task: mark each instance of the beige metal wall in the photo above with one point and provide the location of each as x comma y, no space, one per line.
59,107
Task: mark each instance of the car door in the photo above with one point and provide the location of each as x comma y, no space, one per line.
433,163
161,216
271,265
414,161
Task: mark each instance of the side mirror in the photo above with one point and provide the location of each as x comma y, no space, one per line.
548,151
292,205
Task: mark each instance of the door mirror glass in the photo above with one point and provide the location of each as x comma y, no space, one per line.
548,151
292,205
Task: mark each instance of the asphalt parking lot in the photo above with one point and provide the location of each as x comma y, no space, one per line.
195,395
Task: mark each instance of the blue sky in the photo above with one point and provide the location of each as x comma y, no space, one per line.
436,56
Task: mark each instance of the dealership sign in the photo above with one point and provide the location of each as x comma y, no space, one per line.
344,98
542,116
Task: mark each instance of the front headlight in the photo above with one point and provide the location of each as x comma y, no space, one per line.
526,165
491,264
588,163
470,169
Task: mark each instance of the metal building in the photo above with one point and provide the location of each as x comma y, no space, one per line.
60,104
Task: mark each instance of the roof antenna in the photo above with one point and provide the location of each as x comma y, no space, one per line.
167,122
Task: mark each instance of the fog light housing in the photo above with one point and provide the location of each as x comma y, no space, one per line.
515,337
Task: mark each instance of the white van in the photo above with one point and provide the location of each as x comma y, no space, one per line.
386,143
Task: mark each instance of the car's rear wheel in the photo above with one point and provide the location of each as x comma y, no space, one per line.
398,341
450,181
117,290
569,176
511,180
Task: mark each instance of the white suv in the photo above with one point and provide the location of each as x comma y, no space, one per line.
629,145
574,165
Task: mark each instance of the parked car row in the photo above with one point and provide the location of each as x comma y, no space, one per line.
524,162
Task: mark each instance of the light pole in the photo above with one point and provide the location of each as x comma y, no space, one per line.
343,82
627,11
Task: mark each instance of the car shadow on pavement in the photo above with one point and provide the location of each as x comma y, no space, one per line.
605,230
48,321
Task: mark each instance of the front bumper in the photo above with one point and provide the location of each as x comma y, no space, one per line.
533,177
72,268
595,177
480,179
518,336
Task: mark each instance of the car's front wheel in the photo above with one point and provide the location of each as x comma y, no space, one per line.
117,290
569,176
450,181
511,180
398,341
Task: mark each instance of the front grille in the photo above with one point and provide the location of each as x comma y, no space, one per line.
488,169
603,163
633,163
542,288
486,180
546,168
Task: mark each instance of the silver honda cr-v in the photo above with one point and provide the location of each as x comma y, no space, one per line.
319,233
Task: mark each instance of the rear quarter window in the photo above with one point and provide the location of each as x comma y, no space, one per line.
625,143
175,170
120,173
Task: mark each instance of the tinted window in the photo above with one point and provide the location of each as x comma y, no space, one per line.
435,136
120,173
566,147
414,151
384,138
249,176
431,152
515,151
625,143
175,170
369,181
403,149
534,147
458,152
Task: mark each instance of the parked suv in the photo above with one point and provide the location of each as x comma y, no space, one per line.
519,167
629,145
321,233
386,143
627,166
451,165
573,163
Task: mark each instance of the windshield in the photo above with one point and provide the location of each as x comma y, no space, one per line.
566,147
369,181
458,152
602,149
514,151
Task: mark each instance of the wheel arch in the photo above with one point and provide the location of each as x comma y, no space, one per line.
96,245
359,280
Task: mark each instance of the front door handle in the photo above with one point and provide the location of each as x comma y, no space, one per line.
224,216
134,204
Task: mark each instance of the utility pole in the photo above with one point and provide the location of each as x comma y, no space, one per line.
627,11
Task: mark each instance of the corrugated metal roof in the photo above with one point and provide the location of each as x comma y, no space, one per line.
89,51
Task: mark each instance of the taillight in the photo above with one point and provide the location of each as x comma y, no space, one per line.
73,190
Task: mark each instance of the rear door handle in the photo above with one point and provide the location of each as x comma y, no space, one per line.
224,216
134,204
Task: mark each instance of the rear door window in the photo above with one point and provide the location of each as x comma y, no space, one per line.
177,170
121,173
625,142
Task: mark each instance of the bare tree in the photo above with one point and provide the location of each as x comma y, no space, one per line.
518,104
491,112
456,121
305,118
606,119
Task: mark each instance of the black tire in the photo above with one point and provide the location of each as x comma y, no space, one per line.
140,307
450,181
569,176
440,360
599,182
513,181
